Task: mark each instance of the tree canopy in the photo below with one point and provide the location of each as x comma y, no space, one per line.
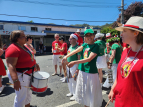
134,9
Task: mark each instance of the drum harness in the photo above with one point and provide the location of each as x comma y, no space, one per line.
25,70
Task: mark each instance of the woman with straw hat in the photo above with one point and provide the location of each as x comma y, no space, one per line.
88,88
128,87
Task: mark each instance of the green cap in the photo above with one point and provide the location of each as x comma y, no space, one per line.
88,31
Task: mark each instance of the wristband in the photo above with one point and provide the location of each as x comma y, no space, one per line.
15,80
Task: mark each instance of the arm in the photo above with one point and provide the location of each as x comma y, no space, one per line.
61,50
32,48
11,63
1,52
112,57
72,53
111,94
91,56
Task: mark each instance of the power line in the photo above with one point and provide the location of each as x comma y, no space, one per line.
54,19
90,2
68,5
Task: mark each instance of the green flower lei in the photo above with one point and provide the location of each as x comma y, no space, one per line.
113,39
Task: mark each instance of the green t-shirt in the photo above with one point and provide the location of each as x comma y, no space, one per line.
118,49
102,46
89,67
73,57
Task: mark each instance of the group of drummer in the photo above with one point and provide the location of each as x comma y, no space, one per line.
82,64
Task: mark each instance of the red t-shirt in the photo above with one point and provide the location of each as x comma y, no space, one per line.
124,45
56,44
80,40
65,50
129,90
24,59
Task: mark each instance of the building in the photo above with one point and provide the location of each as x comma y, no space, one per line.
40,32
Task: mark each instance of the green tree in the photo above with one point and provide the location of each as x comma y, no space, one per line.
110,30
135,9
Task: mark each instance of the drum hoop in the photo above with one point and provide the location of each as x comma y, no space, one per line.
41,79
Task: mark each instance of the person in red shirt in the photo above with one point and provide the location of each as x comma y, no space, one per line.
63,52
56,54
127,89
80,40
21,65
2,68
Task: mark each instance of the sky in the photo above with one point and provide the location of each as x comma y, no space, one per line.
85,10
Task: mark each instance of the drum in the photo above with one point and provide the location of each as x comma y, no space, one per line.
40,82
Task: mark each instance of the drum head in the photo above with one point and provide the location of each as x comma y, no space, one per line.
41,75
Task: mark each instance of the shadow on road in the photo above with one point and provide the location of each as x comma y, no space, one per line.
47,92
7,90
104,103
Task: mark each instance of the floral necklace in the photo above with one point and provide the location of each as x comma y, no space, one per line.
124,71
26,50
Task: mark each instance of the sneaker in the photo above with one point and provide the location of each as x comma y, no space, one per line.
62,79
54,74
1,88
72,98
69,95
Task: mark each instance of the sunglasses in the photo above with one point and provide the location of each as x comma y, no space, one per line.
71,39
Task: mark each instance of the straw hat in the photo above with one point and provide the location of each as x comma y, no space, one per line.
134,23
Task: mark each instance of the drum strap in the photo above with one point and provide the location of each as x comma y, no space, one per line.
24,69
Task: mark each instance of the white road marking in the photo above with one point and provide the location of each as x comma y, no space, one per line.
68,104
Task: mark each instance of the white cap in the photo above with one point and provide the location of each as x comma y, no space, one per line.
78,30
99,35
74,36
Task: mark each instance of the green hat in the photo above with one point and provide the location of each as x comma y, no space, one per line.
88,31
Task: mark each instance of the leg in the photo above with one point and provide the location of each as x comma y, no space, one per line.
85,106
0,81
64,69
100,74
60,69
56,69
55,64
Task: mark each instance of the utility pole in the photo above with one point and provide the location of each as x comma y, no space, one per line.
122,12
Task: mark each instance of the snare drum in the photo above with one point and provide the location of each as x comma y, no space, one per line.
40,83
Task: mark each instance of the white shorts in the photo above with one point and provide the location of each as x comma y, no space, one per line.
101,62
57,60
23,96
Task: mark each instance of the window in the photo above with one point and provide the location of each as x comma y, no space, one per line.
1,27
48,29
35,29
22,28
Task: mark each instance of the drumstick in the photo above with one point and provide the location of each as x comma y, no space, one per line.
108,103
22,86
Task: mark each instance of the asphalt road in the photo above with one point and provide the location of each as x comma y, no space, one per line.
55,96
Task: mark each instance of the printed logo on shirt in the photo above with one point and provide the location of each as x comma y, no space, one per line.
69,51
56,44
127,66
86,53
